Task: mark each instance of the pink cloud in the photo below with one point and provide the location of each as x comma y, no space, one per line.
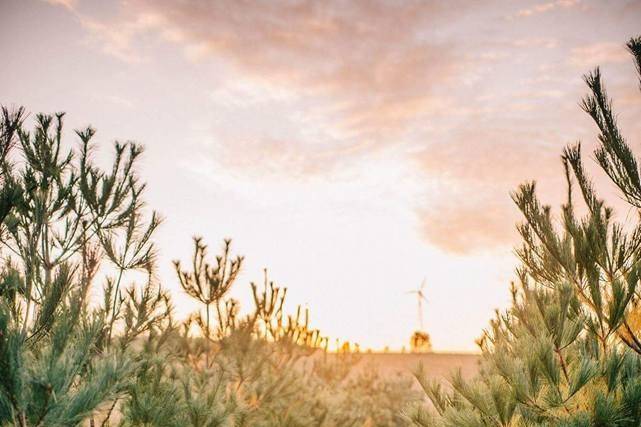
321,83
365,61
592,55
371,66
476,171
69,4
547,7
469,226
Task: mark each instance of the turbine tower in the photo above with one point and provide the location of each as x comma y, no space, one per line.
420,297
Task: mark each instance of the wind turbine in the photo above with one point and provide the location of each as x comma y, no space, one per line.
420,296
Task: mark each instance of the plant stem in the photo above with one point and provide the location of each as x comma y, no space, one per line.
113,308
207,337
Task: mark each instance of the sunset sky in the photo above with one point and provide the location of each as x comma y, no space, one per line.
352,148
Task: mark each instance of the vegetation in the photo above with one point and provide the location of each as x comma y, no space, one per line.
76,349
568,351
78,346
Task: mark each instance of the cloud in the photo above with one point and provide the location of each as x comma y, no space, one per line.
483,224
372,67
68,4
547,7
534,42
597,54
278,157
491,155
356,76
470,209
116,36
304,88
322,83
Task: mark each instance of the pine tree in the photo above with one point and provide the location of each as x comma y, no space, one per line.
568,351
253,355
61,217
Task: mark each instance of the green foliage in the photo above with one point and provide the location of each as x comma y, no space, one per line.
71,232
58,366
567,352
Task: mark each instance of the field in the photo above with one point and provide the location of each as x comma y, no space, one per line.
436,365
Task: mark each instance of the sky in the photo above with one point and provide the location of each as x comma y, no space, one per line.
352,148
